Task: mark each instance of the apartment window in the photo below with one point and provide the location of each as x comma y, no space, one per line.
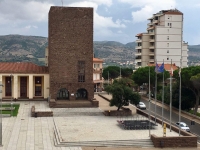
167,44
170,24
151,57
96,65
81,71
167,58
167,51
167,37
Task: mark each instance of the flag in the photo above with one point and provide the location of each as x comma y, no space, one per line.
159,69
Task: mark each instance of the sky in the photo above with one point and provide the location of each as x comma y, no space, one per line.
114,20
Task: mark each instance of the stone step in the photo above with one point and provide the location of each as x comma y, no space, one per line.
110,143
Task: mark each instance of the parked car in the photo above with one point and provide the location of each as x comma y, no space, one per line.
183,126
141,105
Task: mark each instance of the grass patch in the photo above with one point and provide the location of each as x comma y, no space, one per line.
192,112
15,111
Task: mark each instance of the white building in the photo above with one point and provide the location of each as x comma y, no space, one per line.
162,41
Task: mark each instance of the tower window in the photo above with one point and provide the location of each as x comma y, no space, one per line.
81,71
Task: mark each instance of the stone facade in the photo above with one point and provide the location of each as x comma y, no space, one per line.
70,41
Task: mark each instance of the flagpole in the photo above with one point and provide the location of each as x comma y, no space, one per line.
180,94
155,94
171,96
149,104
163,94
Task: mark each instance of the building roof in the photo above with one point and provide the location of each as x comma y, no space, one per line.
97,60
139,34
22,67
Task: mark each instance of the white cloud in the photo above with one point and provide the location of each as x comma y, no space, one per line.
31,26
102,25
17,11
148,7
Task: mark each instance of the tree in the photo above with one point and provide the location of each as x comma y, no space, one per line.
111,71
196,84
141,75
122,93
126,72
191,79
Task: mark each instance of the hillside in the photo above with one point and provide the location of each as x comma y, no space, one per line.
30,48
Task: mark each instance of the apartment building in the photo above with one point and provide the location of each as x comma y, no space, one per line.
163,40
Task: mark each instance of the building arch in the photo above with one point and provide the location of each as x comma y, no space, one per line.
63,94
81,94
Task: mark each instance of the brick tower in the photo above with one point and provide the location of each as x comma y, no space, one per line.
71,53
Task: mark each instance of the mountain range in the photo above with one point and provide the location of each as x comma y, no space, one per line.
32,48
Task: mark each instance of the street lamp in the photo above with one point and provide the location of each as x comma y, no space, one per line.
1,132
11,104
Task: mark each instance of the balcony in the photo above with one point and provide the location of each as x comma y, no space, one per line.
152,40
138,60
97,70
138,47
136,66
138,54
151,54
151,47
151,28
151,60
150,24
155,21
138,41
152,33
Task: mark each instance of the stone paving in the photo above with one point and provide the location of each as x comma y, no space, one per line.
28,133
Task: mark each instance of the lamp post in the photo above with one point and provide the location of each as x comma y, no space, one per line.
11,76
1,132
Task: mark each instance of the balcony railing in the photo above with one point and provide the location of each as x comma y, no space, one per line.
138,54
151,47
97,69
151,53
151,60
138,60
152,40
138,47
138,41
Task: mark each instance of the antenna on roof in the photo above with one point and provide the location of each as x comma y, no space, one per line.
62,2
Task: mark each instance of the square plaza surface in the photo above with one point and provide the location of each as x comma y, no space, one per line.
28,133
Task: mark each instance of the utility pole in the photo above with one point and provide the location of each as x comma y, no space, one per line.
1,132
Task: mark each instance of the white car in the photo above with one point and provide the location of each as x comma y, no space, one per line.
141,105
183,126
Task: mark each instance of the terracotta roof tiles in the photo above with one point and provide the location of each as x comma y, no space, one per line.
97,60
21,67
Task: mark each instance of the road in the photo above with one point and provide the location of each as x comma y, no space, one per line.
175,118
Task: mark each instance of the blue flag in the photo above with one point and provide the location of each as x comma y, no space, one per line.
159,69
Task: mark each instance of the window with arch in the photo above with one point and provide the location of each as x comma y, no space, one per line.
81,94
63,94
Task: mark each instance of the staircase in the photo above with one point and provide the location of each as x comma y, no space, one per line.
58,142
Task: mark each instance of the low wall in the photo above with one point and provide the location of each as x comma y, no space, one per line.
176,141
186,140
123,112
40,113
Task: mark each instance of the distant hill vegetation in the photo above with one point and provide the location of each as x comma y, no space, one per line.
32,48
